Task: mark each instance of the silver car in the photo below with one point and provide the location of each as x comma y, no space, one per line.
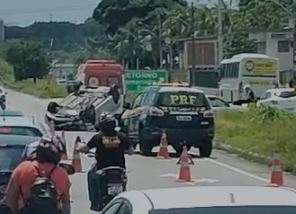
219,105
24,126
205,199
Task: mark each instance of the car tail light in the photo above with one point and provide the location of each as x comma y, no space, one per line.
208,114
274,102
5,130
156,112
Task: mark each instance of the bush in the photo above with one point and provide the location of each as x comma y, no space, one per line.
261,130
43,88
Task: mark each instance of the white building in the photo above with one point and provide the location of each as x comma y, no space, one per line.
276,44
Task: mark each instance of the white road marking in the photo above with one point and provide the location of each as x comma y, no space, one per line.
194,181
242,172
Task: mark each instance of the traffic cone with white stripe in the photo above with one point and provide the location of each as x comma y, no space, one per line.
76,160
163,152
277,175
65,155
185,161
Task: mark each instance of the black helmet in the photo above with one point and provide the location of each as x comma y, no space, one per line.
107,123
49,151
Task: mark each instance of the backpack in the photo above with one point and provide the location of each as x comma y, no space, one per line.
43,196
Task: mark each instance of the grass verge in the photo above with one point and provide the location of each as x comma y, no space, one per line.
44,88
258,133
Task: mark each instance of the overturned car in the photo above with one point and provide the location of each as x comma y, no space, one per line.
80,110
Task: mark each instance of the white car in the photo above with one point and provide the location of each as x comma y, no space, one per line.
281,98
25,126
219,105
205,199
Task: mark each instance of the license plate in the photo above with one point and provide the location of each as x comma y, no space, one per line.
184,118
115,189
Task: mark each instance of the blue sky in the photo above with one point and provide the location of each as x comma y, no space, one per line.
25,12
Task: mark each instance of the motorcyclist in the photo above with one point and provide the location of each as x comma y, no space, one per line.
19,190
110,148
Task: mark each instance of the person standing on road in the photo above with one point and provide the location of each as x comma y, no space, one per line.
250,94
24,188
110,149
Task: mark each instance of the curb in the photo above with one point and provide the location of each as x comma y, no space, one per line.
251,156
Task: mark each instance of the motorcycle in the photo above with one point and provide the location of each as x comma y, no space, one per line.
113,182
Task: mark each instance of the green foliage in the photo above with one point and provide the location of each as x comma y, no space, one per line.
108,11
259,130
28,59
66,36
6,70
43,88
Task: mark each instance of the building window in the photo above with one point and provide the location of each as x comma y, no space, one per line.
283,46
261,47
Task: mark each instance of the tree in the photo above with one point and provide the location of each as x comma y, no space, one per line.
28,59
109,11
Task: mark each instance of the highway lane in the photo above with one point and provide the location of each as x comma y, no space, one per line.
149,172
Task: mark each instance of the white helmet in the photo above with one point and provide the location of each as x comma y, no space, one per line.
247,86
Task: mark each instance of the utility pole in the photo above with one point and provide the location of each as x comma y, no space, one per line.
193,35
294,34
160,42
220,32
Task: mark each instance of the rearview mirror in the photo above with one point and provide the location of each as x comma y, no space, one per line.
68,167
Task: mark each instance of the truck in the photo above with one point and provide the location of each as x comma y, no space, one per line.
100,87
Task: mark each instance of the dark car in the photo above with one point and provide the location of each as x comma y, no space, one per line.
11,151
183,112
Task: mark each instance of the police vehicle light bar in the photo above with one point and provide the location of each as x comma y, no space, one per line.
176,84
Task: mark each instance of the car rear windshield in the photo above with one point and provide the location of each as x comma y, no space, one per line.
24,131
287,94
182,99
230,210
10,157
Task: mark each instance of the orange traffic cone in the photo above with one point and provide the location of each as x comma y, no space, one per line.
76,160
163,152
277,175
65,155
185,160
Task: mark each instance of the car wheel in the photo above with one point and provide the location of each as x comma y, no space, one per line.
145,147
206,149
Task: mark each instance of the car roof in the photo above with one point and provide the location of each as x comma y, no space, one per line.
10,112
208,196
17,139
19,121
175,89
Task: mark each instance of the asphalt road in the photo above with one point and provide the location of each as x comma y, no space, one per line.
148,172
